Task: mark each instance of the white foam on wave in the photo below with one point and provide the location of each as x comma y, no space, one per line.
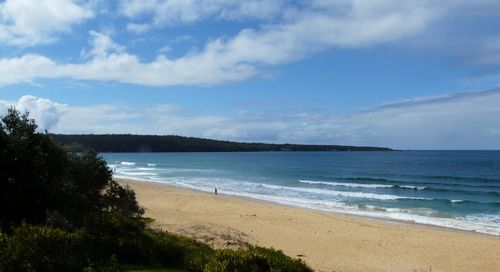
127,163
342,193
234,185
411,187
183,170
146,168
346,184
135,173
361,185
151,164
469,223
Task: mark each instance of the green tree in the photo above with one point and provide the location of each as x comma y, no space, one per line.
42,181
31,171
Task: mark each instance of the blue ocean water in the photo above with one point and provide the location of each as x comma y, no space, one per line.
455,189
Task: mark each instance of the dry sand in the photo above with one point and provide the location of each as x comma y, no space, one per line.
327,242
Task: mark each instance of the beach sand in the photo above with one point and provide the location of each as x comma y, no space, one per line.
325,241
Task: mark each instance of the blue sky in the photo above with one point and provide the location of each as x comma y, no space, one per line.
404,74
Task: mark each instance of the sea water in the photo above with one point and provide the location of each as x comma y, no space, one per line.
454,189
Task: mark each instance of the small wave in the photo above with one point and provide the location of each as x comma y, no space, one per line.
472,202
146,168
130,173
410,187
368,179
127,163
468,192
432,180
354,185
151,164
422,212
365,207
360,185
182,170
451,202
342,194
416,211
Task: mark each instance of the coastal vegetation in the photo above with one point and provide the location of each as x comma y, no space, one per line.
171,143
62,211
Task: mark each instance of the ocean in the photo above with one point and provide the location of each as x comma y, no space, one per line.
453,189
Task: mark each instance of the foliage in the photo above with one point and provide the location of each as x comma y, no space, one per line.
254,259
42,248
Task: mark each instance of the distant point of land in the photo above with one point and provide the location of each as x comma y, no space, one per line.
172,143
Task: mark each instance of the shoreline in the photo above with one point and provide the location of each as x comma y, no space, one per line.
335,213
325,240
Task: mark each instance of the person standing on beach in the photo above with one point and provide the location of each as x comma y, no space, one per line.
215,191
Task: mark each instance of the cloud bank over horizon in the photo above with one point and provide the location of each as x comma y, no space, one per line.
421,123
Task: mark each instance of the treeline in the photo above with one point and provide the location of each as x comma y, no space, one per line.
154,143
62,211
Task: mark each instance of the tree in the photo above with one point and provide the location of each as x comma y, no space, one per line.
32,172
41,180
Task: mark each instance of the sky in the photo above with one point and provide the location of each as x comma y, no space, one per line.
414,74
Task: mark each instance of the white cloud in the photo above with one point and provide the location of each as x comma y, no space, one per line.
299,32
460,121
231,59
103,118
30,22
4,105
455,121
108,62
487,53
173,12
102,46
25,68
138,28
45,112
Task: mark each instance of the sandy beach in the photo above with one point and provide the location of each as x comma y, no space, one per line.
327,242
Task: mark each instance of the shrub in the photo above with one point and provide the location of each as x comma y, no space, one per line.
160,248
42,248
254,259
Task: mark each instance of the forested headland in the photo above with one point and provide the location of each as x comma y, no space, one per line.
171,143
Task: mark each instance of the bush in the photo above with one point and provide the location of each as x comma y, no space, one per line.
159,248
42,248
254,259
